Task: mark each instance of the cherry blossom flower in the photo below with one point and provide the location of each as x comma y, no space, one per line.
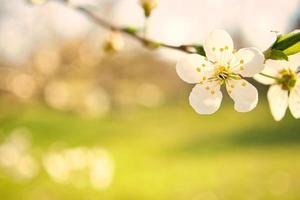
223,65
284,91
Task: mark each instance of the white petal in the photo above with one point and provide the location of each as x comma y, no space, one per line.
244,95
193,68
218,46
264,80
277,65
278,101
294,61
294,100
248,62
204,101
272,68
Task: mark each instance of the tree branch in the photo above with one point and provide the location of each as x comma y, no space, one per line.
144,41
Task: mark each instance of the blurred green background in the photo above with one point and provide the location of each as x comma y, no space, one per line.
167,152
77,122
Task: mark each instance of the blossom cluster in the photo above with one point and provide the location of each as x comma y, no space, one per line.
225,66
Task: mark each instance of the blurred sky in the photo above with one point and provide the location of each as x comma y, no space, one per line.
24,28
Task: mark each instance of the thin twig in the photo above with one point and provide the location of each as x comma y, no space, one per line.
145,41
142,39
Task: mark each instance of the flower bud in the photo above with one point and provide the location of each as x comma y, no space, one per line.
148,6
114,42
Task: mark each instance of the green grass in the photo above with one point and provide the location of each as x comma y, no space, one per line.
167,152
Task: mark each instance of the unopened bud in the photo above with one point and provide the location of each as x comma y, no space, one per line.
114,42
148,6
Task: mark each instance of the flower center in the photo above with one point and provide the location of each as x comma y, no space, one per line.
288,79
223,74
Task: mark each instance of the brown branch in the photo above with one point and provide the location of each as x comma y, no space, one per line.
192,48
144,41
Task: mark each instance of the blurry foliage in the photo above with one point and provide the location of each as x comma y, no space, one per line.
166,152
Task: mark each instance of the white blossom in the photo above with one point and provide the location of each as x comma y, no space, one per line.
284,91
221,66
